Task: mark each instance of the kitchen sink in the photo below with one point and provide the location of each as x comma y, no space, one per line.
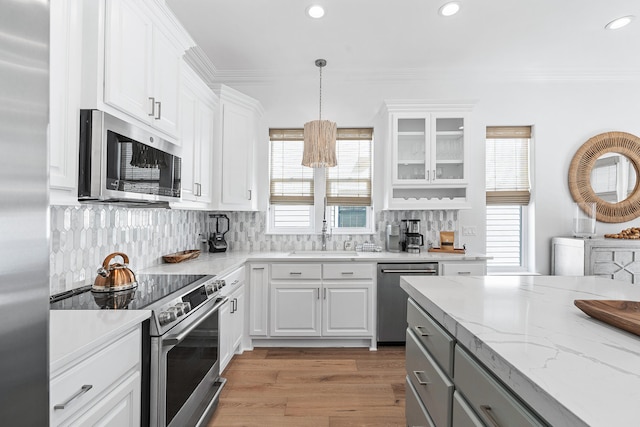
346,254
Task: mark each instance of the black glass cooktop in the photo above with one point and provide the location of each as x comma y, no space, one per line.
151,288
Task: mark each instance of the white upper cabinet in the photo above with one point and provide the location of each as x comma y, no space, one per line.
198,108
65,66
426,163
142,66
128,77
428,149
235,165
132,57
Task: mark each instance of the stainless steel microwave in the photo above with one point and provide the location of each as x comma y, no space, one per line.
122,163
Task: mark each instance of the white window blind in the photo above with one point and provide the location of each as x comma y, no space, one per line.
504,236
349,183
290,182
507,165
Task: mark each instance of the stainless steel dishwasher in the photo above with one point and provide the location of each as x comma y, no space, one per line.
392,299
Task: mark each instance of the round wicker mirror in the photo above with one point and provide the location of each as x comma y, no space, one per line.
581,167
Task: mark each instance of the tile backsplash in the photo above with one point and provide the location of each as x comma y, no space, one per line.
82,236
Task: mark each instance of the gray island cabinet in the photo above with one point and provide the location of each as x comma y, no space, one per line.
515,351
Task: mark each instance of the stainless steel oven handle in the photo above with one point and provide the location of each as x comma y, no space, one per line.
411,271
175,339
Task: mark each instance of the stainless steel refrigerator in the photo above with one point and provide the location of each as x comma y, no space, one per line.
24,213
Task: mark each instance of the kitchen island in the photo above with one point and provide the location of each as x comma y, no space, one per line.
570,369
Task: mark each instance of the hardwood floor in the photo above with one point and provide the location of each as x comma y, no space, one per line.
324,387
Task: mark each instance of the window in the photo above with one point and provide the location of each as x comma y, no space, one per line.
508,194
296,190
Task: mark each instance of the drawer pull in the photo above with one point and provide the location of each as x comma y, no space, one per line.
464,273
486,410
417,374
295,273
85,388
422,331
346,273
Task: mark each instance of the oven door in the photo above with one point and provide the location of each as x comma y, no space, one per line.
185,370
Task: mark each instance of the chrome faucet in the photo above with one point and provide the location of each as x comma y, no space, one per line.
324,234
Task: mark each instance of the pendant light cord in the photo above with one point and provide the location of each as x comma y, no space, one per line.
320,113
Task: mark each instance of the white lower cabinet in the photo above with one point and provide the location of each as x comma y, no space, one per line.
310,300
347,308
463,268
119,408
101,388
231,326
295,309
258,302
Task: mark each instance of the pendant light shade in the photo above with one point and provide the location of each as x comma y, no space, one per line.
320,137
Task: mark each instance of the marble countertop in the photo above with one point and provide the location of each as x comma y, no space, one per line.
572,369
73,333
225,262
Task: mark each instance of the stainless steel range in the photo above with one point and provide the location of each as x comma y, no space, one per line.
184,352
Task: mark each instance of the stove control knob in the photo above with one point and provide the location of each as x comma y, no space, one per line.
209,288
177,310
166,317
185,306
223,283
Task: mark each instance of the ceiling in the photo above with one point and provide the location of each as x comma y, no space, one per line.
266,40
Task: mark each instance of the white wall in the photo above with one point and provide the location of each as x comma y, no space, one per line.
564,112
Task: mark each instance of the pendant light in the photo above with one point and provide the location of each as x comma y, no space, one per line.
320,137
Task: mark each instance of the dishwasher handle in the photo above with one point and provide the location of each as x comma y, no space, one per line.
425,271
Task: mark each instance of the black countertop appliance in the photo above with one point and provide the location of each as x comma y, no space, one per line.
216,241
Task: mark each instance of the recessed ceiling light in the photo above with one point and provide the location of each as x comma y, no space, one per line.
315,11
619,23
449,9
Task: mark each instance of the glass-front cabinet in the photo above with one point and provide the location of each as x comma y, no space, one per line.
428,148
411,151
448,149
426,161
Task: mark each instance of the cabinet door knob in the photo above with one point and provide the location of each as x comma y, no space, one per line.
85,388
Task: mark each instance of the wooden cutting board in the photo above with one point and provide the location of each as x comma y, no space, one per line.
619,313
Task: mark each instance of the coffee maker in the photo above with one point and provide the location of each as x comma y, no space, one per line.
410,238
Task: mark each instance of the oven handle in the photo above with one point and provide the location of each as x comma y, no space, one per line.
411,271
176,339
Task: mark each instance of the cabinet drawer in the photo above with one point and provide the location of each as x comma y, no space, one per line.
463,415
415,412
296,271
90,378
462,269
347,270
493,402
432,336
434,388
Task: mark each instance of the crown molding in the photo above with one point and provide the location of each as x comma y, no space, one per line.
414,75
201,64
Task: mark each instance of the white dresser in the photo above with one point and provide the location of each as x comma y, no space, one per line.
613,258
